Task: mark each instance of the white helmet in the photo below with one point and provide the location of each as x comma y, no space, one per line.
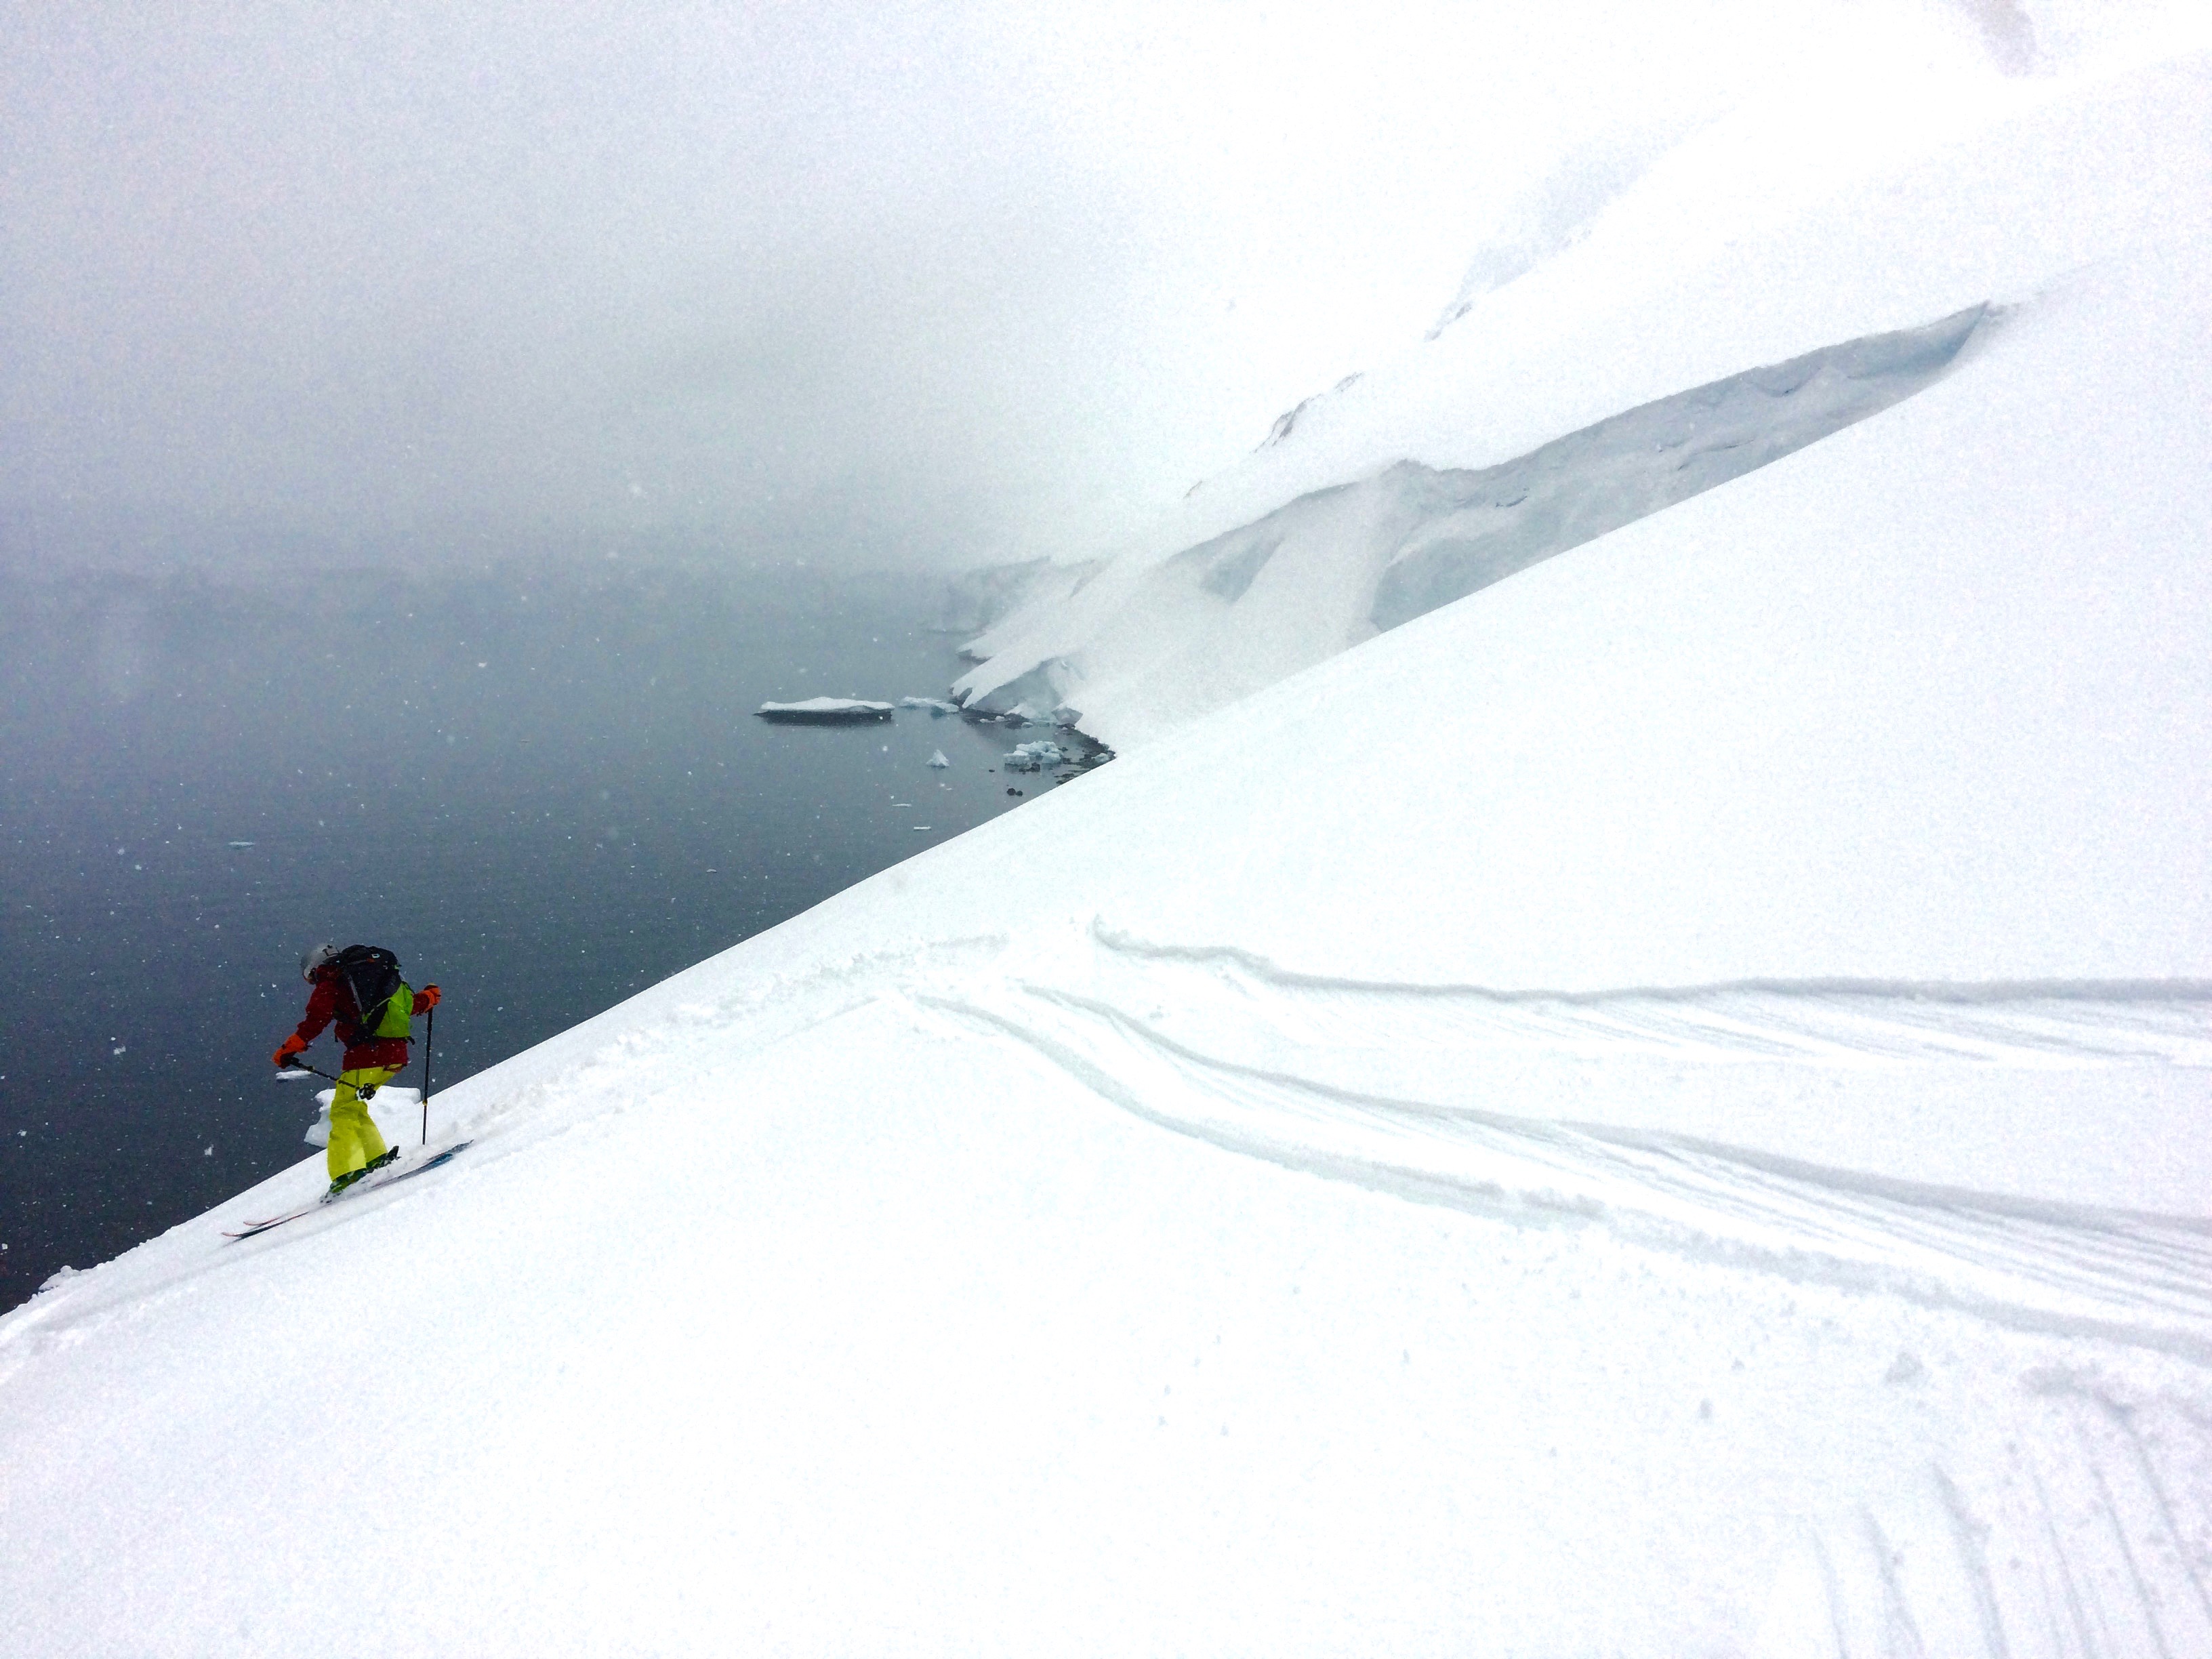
314,959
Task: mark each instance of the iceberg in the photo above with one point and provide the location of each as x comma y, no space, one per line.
1035,757
937,758
824,711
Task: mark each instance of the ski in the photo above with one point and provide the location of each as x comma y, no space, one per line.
368,1184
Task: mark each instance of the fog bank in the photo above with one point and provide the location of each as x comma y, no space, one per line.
946,284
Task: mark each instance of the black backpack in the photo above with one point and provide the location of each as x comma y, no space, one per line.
371,975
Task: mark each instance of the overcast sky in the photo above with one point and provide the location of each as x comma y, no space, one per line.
947,282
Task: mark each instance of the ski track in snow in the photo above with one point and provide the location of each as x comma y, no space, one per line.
1223,1045
1247,1083
2075,1520
2080,1525
570,1095
2066,1023
2086,1540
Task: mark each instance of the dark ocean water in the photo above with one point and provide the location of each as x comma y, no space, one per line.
543,791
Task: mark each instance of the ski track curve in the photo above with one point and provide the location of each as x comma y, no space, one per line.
2074,1522
2143,1280
556,1090
2051,1022
1227,1047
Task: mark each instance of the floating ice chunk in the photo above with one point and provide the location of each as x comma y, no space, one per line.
825,711
1028,712
937,706
937,758
1034,756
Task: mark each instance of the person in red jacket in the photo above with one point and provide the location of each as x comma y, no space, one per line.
375,1048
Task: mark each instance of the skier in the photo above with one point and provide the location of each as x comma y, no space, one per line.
360,988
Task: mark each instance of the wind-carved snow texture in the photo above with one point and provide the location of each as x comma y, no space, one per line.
1337,566
2083,1525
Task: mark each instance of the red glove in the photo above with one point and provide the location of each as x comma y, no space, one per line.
428,997
294,1044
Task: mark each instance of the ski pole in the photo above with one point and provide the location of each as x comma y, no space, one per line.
430,1036
366,1094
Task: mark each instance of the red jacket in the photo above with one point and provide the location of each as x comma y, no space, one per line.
332,999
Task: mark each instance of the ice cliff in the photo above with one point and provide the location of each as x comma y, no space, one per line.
1712,316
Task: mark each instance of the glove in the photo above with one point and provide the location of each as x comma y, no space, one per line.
428,997
292,1045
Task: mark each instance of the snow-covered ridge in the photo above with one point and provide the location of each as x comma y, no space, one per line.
1339,566
1486,524
1792,233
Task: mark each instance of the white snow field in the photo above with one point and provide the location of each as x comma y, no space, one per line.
1663,1109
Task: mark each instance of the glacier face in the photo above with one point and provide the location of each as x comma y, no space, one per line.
1340,565
1484,526
1817,234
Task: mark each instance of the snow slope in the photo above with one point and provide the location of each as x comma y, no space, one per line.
1664,1108
1700,1145
1827,214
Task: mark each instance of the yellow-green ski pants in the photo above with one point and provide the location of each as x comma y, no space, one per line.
355,1142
